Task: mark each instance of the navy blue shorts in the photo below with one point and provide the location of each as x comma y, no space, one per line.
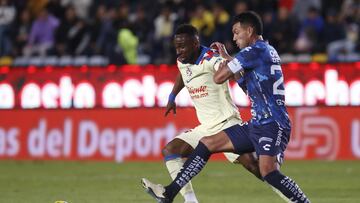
239,136
270,139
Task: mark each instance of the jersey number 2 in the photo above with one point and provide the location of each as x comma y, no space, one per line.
278,82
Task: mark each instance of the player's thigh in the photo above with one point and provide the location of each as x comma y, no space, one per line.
270,140
230,156
191,138
239,137
177,147
218,142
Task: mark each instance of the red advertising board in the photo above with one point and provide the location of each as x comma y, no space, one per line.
134,86
140,133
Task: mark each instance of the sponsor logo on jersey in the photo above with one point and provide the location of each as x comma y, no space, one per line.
198,92
267,147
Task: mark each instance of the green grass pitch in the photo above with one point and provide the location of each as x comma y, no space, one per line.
220,182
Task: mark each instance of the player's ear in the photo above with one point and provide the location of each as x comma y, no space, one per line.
250,30
196,41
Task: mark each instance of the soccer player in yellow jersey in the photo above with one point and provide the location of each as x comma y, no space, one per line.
214,107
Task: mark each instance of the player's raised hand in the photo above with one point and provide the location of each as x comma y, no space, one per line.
170,106
220,47
223,65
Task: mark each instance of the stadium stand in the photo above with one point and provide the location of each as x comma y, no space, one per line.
92,32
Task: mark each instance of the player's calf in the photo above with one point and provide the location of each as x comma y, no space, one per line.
173,154
193,165
250,163
269,168
177,147
286,186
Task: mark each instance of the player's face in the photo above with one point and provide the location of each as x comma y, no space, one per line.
241,35
186,48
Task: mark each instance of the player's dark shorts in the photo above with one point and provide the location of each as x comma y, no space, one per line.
270,139
239,136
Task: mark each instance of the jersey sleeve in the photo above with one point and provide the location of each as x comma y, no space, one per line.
246,59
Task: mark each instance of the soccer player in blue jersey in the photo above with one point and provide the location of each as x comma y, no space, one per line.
258,66
270,127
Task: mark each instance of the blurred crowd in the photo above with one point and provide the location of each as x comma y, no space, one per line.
141,31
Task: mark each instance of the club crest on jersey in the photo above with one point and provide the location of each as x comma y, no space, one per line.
188,71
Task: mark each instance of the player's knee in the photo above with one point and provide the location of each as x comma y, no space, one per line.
209,143
167,150
250,164
267,168
164,152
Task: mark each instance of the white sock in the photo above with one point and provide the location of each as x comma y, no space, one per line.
174,167
190,197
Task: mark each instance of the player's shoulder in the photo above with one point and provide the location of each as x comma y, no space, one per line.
264,46
209,54
258,46
179,64
268,52
259,50
184,66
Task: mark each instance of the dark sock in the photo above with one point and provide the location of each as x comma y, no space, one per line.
286,186
193,165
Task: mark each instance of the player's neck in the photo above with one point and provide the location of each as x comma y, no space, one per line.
256,38
195,57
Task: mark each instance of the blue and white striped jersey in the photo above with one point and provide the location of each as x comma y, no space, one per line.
264,83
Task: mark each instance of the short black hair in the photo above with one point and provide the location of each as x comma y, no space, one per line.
250,18
186,29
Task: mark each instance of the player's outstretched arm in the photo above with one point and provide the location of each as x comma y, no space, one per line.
223,73
171,105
